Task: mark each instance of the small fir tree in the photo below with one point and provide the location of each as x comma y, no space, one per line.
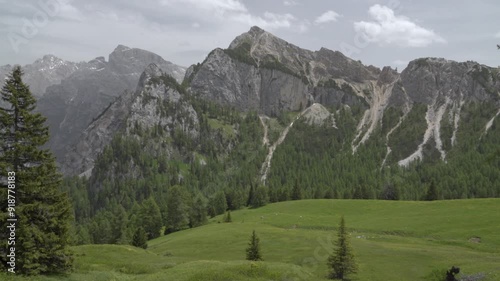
342,262
253,250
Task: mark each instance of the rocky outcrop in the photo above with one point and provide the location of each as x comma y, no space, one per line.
428,79
138,108
264,73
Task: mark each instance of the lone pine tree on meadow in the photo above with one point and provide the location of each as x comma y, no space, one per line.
342,262
42,211
253,250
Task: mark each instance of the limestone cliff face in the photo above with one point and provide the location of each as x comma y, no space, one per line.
138,108
430,78
264,73
227,81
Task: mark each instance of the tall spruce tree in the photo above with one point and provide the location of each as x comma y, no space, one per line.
253,250
43,212
342,262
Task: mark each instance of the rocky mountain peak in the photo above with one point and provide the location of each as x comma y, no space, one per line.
249,37
48,63
387,76
152,70
48,58
133,61
121,48
257,30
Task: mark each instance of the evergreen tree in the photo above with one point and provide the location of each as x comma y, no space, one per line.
260,198
296,191
227,217
253,250
101,228
43,212
219,203
251,195
342,262
432,192
390,192
177,210
119,225
283,194
150,217
82,235
140,238
198,215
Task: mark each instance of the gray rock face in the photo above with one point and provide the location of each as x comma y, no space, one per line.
228,81
246,87
427,79
264,73
73,104
129,110
282,92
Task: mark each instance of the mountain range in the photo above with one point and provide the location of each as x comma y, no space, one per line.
433,112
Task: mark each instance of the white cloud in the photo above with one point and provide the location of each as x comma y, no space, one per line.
235,11
326,17
389,28
221,6
497,35
290,3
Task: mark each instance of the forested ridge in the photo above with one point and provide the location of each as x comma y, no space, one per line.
164,180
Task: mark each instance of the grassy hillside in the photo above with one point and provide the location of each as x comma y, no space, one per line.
392,241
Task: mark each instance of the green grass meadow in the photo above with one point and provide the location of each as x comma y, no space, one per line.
392,240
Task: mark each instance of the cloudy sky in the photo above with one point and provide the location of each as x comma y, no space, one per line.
377,32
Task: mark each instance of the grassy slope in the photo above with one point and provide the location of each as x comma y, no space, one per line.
391,240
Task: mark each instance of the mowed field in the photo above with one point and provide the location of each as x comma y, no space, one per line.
392,240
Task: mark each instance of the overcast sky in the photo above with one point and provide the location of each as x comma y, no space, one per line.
377,32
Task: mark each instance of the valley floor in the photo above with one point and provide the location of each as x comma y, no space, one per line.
392,240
